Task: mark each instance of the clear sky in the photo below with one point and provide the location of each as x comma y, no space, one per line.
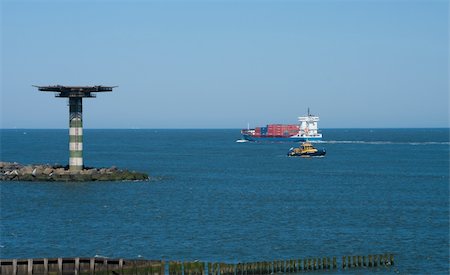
221,64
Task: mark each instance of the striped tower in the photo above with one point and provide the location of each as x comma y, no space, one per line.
75,94
75,133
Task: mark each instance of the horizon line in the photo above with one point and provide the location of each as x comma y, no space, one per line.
225,128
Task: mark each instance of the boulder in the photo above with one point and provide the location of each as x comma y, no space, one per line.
47,171
15,171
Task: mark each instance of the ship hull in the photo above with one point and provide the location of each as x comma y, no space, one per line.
280,139
319,153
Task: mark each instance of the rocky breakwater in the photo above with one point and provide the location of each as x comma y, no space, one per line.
12,171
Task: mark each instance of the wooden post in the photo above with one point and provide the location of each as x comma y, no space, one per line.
359,261
30,266
77,266
105,265
391,259
45,266
120,266
14,267
60,266
369,264
92,265
364,261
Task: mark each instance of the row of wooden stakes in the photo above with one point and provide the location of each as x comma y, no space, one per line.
367,261
281,266
150,267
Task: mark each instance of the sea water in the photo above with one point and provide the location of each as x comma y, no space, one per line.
212,199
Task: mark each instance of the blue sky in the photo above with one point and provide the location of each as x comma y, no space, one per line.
222,64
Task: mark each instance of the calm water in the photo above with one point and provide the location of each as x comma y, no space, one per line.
213,199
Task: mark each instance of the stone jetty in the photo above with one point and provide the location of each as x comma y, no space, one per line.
13,171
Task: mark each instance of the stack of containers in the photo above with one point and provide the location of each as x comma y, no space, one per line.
279,130
263,131
274,129
258,131
293,129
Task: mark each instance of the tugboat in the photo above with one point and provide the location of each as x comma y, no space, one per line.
306,150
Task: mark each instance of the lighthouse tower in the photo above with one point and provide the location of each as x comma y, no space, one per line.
75,95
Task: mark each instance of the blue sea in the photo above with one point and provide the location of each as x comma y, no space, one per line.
212,199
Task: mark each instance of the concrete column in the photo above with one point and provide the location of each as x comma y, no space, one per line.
75,134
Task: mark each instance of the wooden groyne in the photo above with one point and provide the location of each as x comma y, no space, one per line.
60,266
80,266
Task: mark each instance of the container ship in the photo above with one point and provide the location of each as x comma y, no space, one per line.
306,130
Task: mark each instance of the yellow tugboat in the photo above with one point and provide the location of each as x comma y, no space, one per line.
306,149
